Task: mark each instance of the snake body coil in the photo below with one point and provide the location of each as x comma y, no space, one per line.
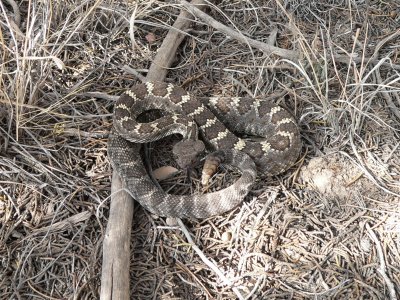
276,152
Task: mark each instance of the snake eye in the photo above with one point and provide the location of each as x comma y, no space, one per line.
199,146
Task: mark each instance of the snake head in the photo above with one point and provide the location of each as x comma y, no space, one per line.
187,152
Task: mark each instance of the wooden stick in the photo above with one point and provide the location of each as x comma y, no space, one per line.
267,49
348,60
166,54
116,252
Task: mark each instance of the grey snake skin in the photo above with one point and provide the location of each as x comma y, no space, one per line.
275,153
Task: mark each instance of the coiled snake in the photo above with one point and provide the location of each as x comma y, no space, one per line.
276,152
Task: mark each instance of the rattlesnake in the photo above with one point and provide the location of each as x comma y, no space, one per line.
274,154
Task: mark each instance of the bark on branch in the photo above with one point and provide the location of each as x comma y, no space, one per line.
116,252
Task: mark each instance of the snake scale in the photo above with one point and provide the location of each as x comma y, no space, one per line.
187,116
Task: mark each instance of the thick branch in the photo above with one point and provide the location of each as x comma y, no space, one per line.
166,53
116,252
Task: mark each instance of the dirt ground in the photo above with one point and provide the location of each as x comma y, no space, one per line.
328,228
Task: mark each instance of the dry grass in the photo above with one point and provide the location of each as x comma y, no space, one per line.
287,239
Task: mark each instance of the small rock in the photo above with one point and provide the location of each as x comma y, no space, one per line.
226,236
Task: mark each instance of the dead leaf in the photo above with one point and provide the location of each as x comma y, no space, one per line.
151,38
164,172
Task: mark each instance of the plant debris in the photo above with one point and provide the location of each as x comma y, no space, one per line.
328,228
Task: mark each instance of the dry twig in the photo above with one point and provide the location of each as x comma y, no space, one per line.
208,262
266,48
382,263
